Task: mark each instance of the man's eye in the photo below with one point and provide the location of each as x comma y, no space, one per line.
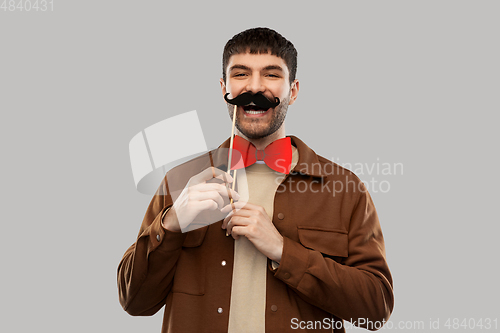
239,74
272,75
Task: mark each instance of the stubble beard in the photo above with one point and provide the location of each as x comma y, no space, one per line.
252,130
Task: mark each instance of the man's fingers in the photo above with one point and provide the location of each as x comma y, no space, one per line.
226,191
209,173
238,231
238,213
235,221
208,195
238,205
207,205
222,175
220,188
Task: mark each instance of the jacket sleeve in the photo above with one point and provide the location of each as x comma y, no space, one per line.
146,271
359,289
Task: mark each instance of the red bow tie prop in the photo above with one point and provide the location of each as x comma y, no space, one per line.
277,155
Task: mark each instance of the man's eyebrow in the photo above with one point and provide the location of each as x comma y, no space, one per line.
267,68
272,67
239,67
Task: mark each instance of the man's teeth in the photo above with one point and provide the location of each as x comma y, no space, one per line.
253,109
255,112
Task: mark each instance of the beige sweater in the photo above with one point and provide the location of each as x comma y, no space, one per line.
248,293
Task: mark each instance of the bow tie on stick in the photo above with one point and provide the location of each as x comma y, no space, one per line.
277,155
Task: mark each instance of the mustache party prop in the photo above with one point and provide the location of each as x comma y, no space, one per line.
258,99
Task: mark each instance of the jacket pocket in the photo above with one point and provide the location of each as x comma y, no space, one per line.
189,275
331,242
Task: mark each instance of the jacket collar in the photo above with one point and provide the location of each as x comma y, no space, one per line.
308,163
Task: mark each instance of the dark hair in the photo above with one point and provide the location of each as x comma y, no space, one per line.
261,40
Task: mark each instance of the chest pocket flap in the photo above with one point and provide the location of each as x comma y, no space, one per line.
327,241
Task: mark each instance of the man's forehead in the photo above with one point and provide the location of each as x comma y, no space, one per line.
257,61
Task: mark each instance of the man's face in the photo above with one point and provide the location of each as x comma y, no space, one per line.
263,73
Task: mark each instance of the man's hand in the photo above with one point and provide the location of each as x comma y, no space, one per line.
252,221
197,196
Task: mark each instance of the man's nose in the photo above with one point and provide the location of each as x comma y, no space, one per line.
255,84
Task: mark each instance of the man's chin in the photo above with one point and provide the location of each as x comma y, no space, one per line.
255,134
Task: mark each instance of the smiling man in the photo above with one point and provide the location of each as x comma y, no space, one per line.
268,74
304,252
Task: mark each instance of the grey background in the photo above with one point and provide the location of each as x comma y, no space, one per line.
411,82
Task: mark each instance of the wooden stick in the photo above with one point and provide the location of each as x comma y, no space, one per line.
231,159
231,141
234,180
231,155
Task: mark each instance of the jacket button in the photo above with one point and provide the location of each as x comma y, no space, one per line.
281,216
286,276
274,308
223,263
158,238
219,310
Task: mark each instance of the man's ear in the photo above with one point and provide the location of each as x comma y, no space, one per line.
223,87
294,91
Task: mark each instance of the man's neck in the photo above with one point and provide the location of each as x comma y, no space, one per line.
262,143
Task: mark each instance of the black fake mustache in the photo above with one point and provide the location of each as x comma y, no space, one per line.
258,99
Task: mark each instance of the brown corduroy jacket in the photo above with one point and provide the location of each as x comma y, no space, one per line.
333,266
